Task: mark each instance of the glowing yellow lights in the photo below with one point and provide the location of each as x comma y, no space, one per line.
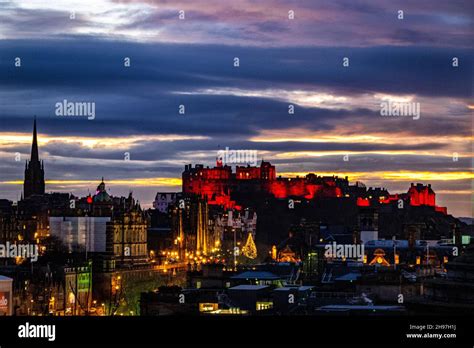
274,252
19,260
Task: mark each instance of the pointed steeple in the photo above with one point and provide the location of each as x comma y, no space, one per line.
34,170
34,146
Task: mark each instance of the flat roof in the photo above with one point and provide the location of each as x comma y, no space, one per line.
360,307
298,288
256,275
249,287
3,278
349,276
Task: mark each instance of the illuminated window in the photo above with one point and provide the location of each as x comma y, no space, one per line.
264,305
208,307
71,298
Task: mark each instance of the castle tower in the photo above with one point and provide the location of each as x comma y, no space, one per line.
34,170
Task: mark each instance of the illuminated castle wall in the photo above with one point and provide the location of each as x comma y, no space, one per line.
217,185
422,195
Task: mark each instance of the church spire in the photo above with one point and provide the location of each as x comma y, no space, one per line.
34,171
34,146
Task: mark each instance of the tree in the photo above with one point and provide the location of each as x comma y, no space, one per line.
250,250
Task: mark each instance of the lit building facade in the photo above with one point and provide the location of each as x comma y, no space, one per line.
164,199
80,232
126,233
219,183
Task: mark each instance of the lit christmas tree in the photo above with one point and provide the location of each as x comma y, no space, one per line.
250,250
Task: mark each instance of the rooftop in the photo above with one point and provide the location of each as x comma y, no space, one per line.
246,287
299,288
256,275
338,308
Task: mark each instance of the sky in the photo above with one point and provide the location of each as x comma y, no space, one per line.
289,52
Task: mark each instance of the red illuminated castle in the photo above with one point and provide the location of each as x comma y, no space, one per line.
219,184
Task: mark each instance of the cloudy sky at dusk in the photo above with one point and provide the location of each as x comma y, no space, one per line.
282,61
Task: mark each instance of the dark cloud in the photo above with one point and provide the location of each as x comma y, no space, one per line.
142,100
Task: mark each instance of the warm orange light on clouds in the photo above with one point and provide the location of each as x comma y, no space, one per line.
125,142
353,176
394,176
346,135
139,182
301,154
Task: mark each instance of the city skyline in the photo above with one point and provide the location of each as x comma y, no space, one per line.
236,163
282,62
280,187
